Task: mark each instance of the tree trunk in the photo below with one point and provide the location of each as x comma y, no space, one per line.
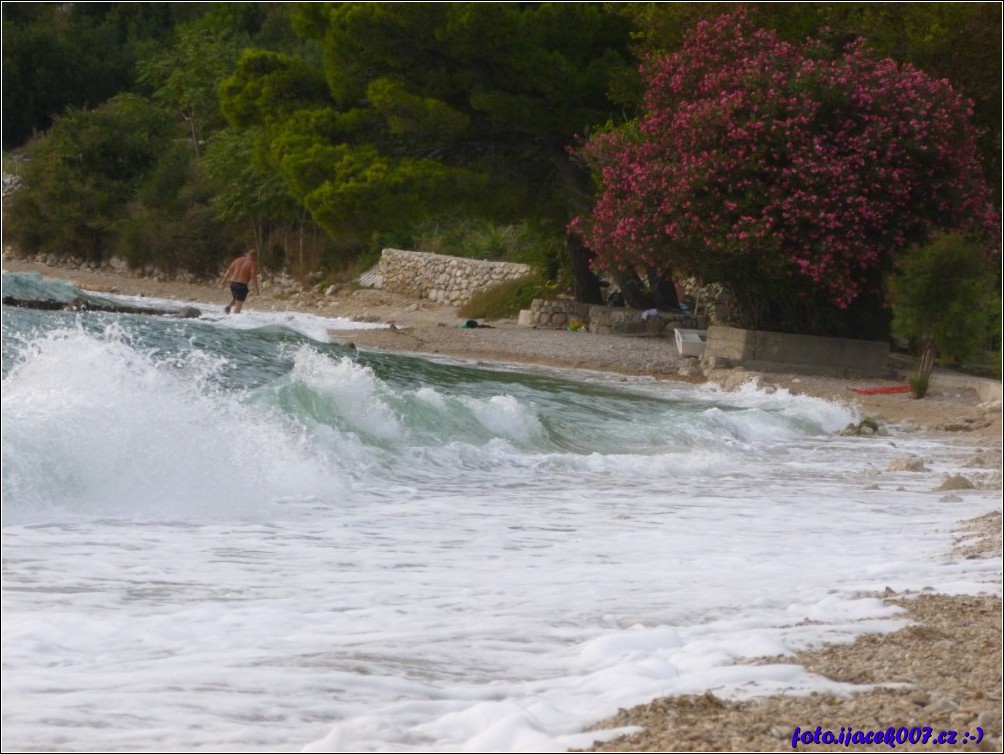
663,289
575,180
258,234
633,290
303,219
585,283
920,381
927,360
189,115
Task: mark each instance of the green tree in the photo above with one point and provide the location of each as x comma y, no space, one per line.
253,198
176,210
946,301
170,224
60,55
184,77
83,173
431,108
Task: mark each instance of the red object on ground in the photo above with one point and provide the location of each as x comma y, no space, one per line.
881,390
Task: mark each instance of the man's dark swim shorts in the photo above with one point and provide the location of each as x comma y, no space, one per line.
239,291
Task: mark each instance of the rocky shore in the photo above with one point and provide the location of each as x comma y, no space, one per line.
943,671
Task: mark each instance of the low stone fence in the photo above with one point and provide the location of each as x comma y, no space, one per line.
806,354
596,318
447,280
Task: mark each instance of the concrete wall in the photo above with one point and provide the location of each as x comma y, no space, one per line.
989,391
778,352
448,280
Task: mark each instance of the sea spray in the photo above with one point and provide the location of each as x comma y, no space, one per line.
249,539
349,391
95,425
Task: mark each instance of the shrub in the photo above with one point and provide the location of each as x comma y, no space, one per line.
794,174
945,301
82,174
540,247
919,382
506,300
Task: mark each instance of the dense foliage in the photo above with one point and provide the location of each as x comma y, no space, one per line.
177,134
935,298
960,42
74,55
83,175
198,195
792,173
505,300
426,110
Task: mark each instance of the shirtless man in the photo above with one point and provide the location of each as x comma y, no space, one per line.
240,273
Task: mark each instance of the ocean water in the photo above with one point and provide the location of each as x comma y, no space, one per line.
230,534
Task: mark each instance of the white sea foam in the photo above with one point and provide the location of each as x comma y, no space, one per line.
505,416
329,558
313,326
353,390
96,426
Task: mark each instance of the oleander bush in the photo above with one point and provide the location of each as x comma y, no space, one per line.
795,174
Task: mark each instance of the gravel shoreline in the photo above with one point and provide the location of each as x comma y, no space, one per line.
944,671
941,672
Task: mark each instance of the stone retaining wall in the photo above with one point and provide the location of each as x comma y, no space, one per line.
596,318
807,354
447,280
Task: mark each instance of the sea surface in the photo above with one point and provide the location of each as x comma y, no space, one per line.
230,534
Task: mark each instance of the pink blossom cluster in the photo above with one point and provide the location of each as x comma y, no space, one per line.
754,153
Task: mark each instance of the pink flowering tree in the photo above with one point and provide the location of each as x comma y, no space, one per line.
793,174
